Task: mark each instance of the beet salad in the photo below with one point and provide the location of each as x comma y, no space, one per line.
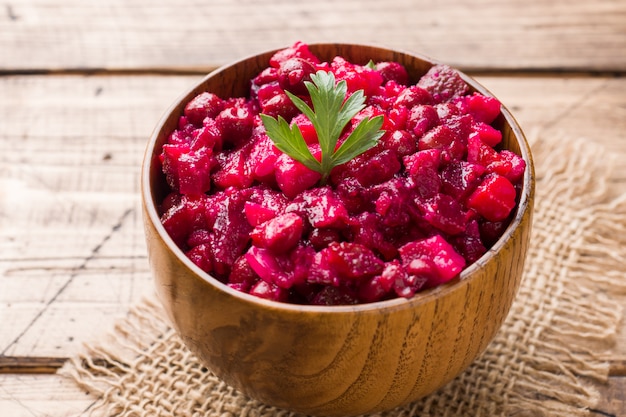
339,183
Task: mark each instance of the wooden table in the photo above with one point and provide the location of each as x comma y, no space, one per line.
82,83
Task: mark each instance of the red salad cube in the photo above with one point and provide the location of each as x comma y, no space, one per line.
494,198
446,261
202,106
279,234
483,108
293,177
352,260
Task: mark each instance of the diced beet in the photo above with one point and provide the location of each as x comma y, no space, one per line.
269,198
180,136
373,290
509,165
213,205
461,125
427,182
301,257
392,200
479,152
444,138
439,137
233,168
446,110
403,142
199,237
276,269
321,272
265,264
187,171
353,195
392,71
321,207
235,124
297,50
379,287
494,198
243,274
332,296
459,179
279,234
444,83
445,214
421,266
505,162
469,244
321,237
208,136
201,255
422,167
275,102
267,76
181,219
257,213
369,231
394,277
292,74
428,158
488,134
293,177
373,169
202,106
490,232
482,108
421,119
232,231
413,96
367,112
352,260
357,77
172,199
263,289
398,117
447,262
262,159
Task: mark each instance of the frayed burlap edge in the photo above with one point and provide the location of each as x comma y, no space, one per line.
545,361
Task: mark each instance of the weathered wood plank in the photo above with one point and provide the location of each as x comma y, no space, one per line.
72,255
141,34
30,365
41,396
72,252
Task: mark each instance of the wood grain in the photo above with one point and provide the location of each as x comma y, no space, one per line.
42,396
561,35
30,365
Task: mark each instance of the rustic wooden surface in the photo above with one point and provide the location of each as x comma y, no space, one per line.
83,83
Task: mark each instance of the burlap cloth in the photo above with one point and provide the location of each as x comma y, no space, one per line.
545,361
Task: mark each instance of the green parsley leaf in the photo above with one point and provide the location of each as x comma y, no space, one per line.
330,114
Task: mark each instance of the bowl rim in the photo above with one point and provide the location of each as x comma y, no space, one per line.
423,297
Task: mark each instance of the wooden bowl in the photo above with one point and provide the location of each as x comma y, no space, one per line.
343,360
